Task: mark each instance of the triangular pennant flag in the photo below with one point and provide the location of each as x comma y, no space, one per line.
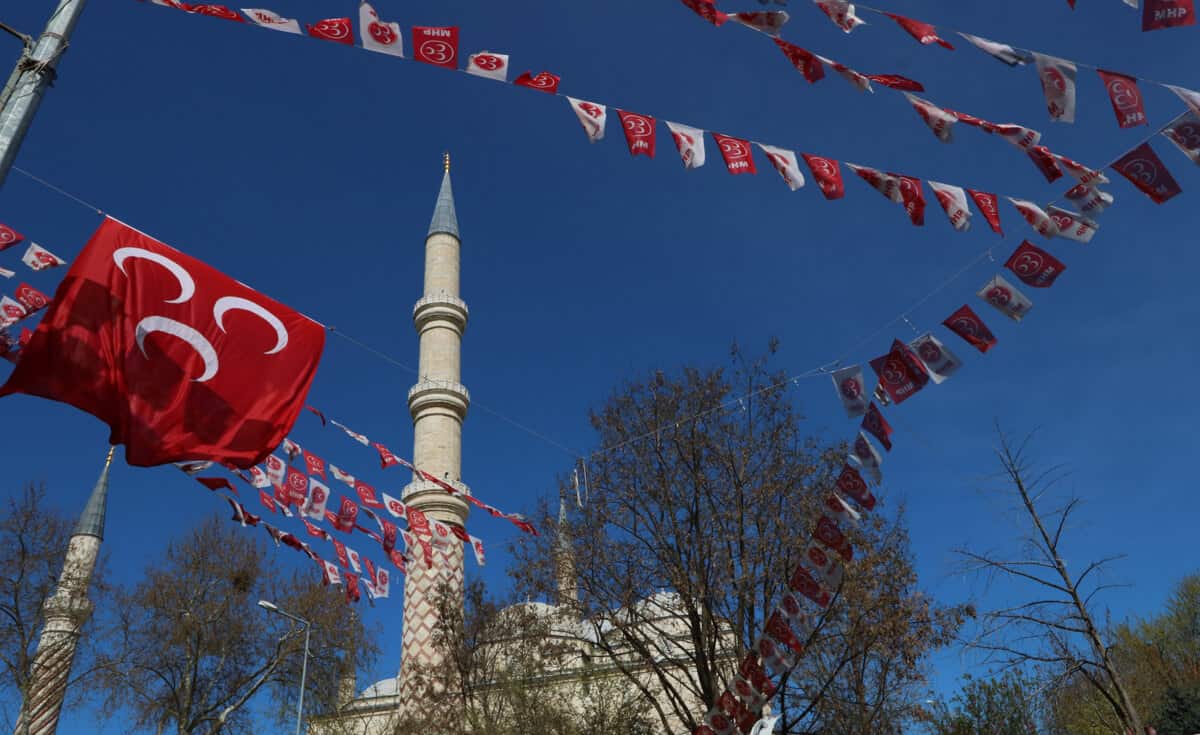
689,142
1089,199
1035,216
39,258
706,10
543,81
940,121
1184,132
592,116
867,457
989,205
805,62
1072,225
900,373
860,81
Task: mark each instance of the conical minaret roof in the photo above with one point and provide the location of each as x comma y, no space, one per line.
91,523
444,217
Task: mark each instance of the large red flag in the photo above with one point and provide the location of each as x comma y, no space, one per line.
967,324
181,361
1146,171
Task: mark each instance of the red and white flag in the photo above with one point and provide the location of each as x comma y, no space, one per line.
765,21
1002,52
333,29
543,81
353,434
867,457
318,498
805,62
1058,85
967,324
383,582
395,507
1184,132
1147,172
330,573
258,478
436,45
940,121
1037,217
366,494
352,592
900,372
1126,98
706,10
896,81
912,196
341,475
296,487
313,529
989,206
7,273
291,449
276,468
39,258
1089,199
217,483
1006,298
786,164
11,312
1159,14
751,670
877,426
272,20
852,389
216,11
32,299
377,35
923,32
488,65
779,631
954,201
639,133
1019,136
736,153
841,12
886,184
1046,162
354,558
1079,172
689,142
386,458
1034,266
803,582
1072,225
9,237
851,484
824,566
938,360
265,498
314,464
1191,97
592,116
860,81
828,175
838,509
347,516
477,547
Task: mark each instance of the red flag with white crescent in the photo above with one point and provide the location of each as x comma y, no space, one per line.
1006,298
1046,162
989,206
1058,86
333,29
706,10
9,237
877,426
1148,173
851,389
900,372
1126,98
967,324
378,35
828,175
314,464
805,62
828,533
296,488
488,65
912,196
639,133
592,116
436,45
841,12
366,494
866,457
347,516
1072,225
736,153
852,484
1184,132
954,202
1034,266
543,81
786,164
925,33
1159,14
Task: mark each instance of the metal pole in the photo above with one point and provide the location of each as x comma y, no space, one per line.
303,676
34,73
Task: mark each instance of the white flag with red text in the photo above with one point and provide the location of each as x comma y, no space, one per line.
1006,298
1036,217
954,201
689,142
272,20
377,35
786,164
939,121
1058,85
938,360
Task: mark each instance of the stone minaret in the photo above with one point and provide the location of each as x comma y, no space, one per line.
438,404
65,613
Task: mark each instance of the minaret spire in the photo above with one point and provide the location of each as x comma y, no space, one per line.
564,562
65,612
438,404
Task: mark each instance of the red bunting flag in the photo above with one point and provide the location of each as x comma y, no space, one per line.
1046,162
543,81
265,498
1159,14
900,373
860,81
241,515
923,32
937,359
849,384
769,22
851,484
216,11
1034,266
1035,216
736,153
147,339
912,196
706,10
805,62
337,30
9,237
1058,86
314,464
840,12
477,547
639,133
1126,98
1184,132
32,299
386,458
786,164
217,483
989,205
877,426
803,582
296,489
353,434
346,517
778,629
940,121
954,201
1148,173
967,324
828,175
395,507
313,530
828,533
895,81
436,45
366,494
329,573
378,35
886,184
1079,172
318,414
1006,298
1072,225
1018,135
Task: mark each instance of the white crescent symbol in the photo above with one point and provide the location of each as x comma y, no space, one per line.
197,341
237,303
187,286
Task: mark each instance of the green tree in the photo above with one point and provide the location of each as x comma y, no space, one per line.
1179,711
1004,705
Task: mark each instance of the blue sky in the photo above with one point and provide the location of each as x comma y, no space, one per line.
309,170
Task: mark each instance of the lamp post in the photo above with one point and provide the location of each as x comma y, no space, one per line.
272,607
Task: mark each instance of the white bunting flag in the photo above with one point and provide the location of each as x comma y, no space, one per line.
378,36
7,273
383,582
867,458
1071,225
342,476
840,12
258,478
276,468
1058,85
824,566
999,51
765,726
1020,136
488,65
786,164
332,575
1079,172
1035,216
938,360
592,116
886,184
850,387
11,312
39,258
477,547
1089,199
354,559
938,120
689,142
318,498
352,434
272,20
1184,132
1006,298
954,201
395,507
1192,98
860,81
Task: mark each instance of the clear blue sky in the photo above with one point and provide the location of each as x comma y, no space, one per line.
309,170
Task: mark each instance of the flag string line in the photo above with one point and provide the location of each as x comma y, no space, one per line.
656,116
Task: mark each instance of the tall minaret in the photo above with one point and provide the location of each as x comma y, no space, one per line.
438,404
65,613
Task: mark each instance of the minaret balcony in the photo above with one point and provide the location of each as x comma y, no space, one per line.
432,395
440,307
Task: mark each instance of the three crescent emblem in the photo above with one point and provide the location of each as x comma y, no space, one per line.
637,126
187,289
438,52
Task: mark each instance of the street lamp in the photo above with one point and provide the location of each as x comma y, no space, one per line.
272,607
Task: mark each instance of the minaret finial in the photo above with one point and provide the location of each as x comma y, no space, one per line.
91,522
446,161
108,460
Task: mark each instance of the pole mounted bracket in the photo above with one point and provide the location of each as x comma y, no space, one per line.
26,39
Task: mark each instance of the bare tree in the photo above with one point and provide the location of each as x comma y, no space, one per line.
1057,629
33,544
191,649
703,495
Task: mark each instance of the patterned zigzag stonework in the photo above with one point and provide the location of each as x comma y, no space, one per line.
421,655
